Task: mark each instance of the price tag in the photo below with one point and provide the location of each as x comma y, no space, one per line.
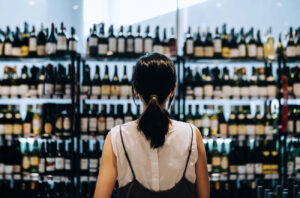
84,178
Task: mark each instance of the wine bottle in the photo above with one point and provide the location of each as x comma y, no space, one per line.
110,118
26,160
94,160
157,45
17,125
41,42
14,88
253,88
241,122
25,42
217,45
198,118
188,85
291,47
130,42
224,164
198,85
17,161
84,120
259,126
189,117
58,121
198,46
42,160
93,43
208,46
233,45
67,124
120,115
40,86
34,158
165,44
115,85
106,85
112,42
72,42
259,47
208,158
236,91
60,160
16,44
96,84
232,124
101,123
32,43
48,121
173,43
49,82
148,41
68,159
262,84
92,120
207,84
189,44
121,47
125,91
223,126
216,158
7,50
206,124
269,52
271,84
225,44
226,84
250,125
280,50
138,42
88,43
61,41
86,83
217,86
242,45
50,158
251,47
214,123
51,44
244,89
128,117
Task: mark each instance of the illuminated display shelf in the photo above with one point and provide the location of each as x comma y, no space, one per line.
33,101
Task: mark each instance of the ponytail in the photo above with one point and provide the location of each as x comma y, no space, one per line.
154,122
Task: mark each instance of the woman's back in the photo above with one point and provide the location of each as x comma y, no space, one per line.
156,169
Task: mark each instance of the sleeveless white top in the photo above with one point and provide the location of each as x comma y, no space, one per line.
156,169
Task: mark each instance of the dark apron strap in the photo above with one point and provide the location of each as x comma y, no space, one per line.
126,155
190,150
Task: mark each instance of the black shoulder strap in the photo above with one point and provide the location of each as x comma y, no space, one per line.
190,150
126,155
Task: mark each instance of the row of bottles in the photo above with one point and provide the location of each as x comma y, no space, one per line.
239,45
37,82
37,189
293,125
105,88
47,120
45,43
293,158
99,44
212,84
33,160
240,123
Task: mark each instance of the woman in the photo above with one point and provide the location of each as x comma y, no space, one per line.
154,156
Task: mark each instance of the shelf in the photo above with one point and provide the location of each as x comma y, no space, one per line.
295,101
33,101
35,59
221,60
110,101
226,101
115,59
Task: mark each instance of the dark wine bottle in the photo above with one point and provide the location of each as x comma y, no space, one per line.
25,41
41,42
129,42
121,43
112,42
61,41
32,43
51,44
138,42
93,43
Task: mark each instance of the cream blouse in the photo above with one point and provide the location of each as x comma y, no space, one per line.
157,169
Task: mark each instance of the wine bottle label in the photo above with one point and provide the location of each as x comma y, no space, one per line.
125,90
84,164
236,92
198,91
121,45
259,52
214,125
298,50
148,45
291,51
61,43
128,119
223,128
241,169
252,50
49,89
199,51
269,130
209,51
67,124
67,164
17,129
262,91
189,47
215,161
242,129
50,164
242,50
84,125
1,49
254,91
59,123
42,165
5,90
40,89
24,50
224,163
115,90
8,129
129,45
25,163
138,45
158,48
7,49
208,91
26,128
73,46
290,126
8,169
119,121
245,92
226,91
16,51
32,44
271,91
198,122
34,161
23,90
96,90
48,128
250,128
112,44
59,163
296,89
234,53
85,89
250,168
225,52
233,169
206,122
232,129
50,48
93,124
167,51
101,125
298,126
93,42
14,91
297,160
290,167
93,163
110,122
217,46
16,168
105,89
259,129
41,50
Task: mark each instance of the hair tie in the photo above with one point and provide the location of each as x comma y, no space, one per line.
153,96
